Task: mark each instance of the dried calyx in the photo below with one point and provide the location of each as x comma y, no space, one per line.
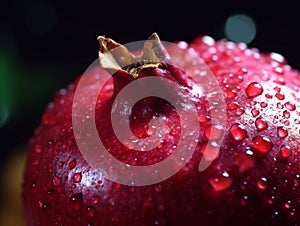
114,56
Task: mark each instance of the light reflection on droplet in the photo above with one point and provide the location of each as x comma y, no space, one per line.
240,28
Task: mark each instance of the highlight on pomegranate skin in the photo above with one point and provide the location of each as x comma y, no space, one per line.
222,147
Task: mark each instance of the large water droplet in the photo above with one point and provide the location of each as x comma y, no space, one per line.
75,201
260,124
285,152
282,132
254,89
261,145
221,182
290,106
238,133
255,112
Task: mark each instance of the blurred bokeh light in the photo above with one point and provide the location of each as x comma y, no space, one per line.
240,28
40,17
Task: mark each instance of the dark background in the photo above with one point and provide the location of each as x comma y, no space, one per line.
44,45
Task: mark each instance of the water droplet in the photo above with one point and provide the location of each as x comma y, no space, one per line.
51,143
244,161
244,200
261,145
208,40
254,89
280,81
277,57
263,105
72,164
40,204
238,133
95,199
279,96
268,96
55,152
282,132
278,70
90,211
56,181
221,182
288,204
239,111
260,124
262,183
255,112
290,106
233,105
285,152
51,194
279,106
75,201
286,114
286,122
292,212
204,118
77,177
38,148
231,94
270,200
297,180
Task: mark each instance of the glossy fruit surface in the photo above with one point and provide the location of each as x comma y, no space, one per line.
254,178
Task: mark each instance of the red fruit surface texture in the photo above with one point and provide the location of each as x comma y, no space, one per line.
254,179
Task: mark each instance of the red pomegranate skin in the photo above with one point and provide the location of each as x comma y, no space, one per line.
255,179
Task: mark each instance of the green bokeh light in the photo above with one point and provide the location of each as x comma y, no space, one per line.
240,28
4,113
6,88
